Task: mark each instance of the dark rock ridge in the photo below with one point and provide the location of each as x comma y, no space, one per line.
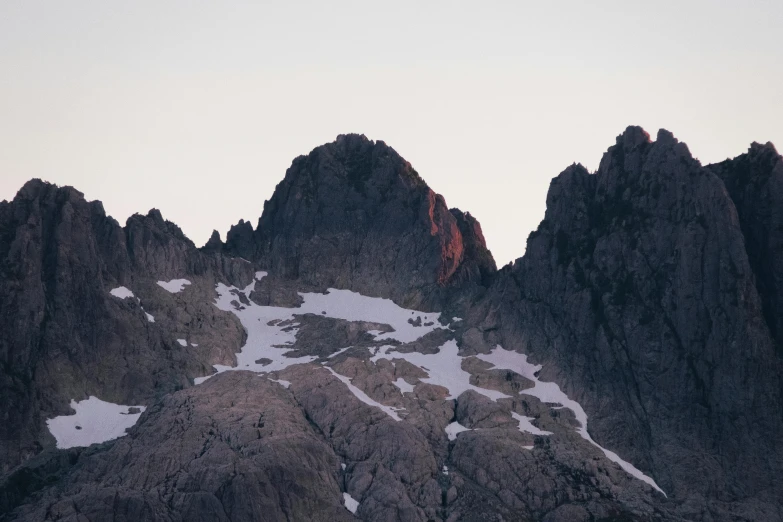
354,214
650,293
755,183
652,301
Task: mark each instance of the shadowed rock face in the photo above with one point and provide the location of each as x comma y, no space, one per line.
63,336
649,293
754,181
354,214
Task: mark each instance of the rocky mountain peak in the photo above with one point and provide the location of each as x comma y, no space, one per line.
766,148
354,214
214,244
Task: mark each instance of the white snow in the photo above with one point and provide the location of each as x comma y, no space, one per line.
342,465
344,304
374,333
338,352
455,319
525,426
182,342
267,340
445,470
281,382
174,286
260,275
528,447
454,429
444,369
194,345
98,421
124,293
264,340
503,359
403,385
121,292
391,412
350,504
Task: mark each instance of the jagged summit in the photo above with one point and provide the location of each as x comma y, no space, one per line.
353,213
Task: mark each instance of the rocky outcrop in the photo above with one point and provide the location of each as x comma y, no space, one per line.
235,448
354,214
637,293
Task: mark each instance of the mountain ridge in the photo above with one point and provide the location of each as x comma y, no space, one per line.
648,294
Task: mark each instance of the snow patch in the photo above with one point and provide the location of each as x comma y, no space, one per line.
445,470
150,319
525,426
267,340
121,292
444,369
182,342
342,465
174,286
350,504
391,412
528,447
199,380
338,352
454,429
281,382
95,421
350,306
260,275
503,359
403,385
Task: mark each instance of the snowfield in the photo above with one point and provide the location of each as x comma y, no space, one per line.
121,292
174,286
95,421
271,331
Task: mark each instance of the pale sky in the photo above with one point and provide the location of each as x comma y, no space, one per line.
197,108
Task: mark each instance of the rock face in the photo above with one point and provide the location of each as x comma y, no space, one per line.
638,293
63,335
755,183
354,214
649,295
231,449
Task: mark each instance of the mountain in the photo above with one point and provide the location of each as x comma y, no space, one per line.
358,355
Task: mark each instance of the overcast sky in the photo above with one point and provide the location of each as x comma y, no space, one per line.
198,108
